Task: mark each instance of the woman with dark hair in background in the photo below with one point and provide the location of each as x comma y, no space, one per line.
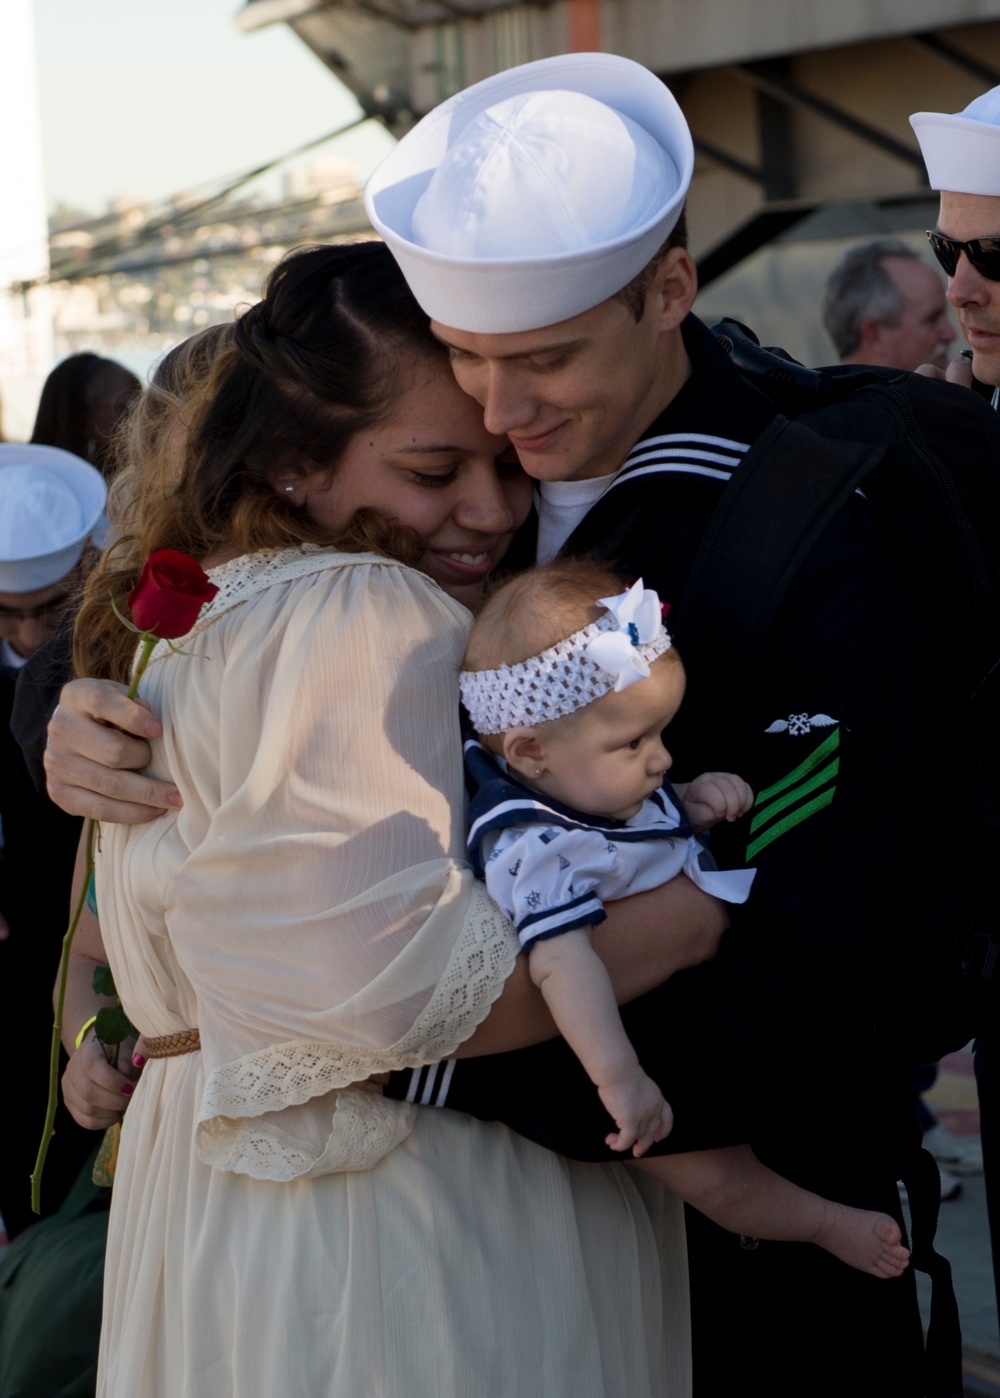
82,402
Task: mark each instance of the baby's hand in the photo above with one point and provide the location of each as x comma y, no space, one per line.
640,1111
716,796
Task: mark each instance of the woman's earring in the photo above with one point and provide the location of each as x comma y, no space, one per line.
289,489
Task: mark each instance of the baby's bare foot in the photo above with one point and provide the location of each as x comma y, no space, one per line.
869,1241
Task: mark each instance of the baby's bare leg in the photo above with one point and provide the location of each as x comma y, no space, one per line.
733,1189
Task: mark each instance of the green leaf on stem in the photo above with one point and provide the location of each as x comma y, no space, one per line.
104,982
113,1025
187,654
124,619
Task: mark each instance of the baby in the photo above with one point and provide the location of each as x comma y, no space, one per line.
569,696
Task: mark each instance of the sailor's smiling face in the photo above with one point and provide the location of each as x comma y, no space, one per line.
575,397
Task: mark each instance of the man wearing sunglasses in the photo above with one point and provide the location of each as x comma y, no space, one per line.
962,155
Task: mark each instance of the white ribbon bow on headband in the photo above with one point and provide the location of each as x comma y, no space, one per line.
639,620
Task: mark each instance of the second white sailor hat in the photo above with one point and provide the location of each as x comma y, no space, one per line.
51,503
536,194
962,149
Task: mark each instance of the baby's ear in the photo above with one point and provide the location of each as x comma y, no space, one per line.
524,752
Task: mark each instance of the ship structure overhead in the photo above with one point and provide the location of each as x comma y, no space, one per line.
795,105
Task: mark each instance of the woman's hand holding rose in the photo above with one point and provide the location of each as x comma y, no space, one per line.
95,1091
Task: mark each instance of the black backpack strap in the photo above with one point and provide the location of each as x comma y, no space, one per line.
789,487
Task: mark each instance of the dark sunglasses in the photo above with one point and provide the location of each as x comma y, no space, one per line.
983,254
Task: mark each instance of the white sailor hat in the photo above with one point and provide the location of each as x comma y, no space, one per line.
962,150
536,194
51,503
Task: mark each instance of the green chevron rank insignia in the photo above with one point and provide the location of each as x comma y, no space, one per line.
804,791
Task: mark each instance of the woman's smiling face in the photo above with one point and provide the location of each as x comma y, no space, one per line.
431,466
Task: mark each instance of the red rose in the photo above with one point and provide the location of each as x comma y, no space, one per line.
170,593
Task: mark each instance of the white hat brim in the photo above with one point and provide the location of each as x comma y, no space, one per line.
962,155
494,296
30,571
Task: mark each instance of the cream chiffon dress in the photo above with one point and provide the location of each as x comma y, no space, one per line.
275,1231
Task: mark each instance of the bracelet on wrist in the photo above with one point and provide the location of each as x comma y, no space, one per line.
85,1030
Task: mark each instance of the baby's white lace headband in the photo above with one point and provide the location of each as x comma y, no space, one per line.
611,653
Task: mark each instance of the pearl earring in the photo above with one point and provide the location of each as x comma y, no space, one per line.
289,489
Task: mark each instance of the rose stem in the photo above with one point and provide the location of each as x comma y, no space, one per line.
148,643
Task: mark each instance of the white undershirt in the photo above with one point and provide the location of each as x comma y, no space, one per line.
561,506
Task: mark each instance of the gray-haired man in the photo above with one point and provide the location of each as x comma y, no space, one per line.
883,305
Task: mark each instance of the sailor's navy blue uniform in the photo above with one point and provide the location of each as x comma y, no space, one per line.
776,1041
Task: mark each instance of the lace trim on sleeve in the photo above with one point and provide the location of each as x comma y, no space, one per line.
364,1126
358,1127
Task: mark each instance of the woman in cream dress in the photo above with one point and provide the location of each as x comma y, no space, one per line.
278,1227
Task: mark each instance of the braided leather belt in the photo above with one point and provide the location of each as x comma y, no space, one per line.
173,1045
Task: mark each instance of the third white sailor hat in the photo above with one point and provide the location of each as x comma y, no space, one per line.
51,503
962,149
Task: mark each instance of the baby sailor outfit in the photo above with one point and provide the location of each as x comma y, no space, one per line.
550,868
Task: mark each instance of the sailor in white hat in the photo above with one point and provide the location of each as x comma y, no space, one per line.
51,511
538,220
962,153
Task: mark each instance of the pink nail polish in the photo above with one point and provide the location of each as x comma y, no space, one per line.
138,1059
127,1090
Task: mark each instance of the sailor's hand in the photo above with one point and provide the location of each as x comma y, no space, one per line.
98,742
959,370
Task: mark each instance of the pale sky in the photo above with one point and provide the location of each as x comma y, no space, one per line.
154,96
